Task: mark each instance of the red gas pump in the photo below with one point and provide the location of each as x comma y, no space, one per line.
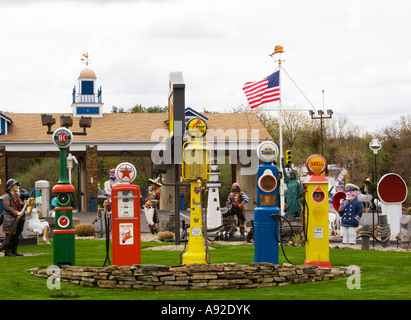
125,207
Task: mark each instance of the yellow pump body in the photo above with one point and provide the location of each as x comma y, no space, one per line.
196,170
317,250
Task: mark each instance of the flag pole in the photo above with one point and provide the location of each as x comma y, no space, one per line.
280,120
279,50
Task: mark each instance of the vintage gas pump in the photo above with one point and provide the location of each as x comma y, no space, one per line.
125,208
64,233
317,250
266,214
196,169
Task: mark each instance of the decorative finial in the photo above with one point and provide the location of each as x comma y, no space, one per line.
277,49
85,58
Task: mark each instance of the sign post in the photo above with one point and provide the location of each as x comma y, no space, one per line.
176,112
392,191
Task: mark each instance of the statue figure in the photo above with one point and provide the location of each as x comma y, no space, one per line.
35,224
151,205
108,185
350,212
236,202
293,194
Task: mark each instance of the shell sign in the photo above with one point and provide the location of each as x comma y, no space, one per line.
316,164
196,128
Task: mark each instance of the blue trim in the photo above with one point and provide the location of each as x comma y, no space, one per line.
87,87
192,113
2,126
5,118
88,110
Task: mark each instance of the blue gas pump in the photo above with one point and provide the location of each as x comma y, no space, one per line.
266,214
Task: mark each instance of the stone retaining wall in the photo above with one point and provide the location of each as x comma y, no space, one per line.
195,276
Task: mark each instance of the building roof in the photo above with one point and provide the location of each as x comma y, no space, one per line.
26,127
87,73
5,118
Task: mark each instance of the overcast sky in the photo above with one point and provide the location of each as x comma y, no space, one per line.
358,52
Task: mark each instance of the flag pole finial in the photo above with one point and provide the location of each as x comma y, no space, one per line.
279,50
85,58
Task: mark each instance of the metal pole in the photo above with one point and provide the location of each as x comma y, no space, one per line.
374,207
280,120
63,179
176,205
322,139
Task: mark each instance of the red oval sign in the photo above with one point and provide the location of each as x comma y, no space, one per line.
337,199
392,188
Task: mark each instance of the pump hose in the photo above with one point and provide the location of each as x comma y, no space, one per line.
184,232
16,223
276,237
305,228
107,223
305,224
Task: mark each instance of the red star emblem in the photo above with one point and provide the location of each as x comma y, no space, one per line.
126,172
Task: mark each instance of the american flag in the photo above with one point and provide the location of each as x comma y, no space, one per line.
263,91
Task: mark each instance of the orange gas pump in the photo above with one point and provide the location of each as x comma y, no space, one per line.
125,206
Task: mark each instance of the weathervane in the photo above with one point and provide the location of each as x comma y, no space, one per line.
277,49
85,58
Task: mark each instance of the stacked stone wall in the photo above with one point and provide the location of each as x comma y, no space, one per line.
194,276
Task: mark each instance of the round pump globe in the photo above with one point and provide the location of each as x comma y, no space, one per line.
316,164
267,151
125,172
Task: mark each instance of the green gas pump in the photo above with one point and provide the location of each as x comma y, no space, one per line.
64,233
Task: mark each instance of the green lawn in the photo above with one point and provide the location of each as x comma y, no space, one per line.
386,275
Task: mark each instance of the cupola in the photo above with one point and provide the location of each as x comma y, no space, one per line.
87,101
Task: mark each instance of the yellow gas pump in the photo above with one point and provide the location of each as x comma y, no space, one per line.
196,169
317,250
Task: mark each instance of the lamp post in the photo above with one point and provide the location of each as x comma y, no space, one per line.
321,117
375,146
66,122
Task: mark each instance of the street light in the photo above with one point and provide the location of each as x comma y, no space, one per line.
321,117
48,120
85,122
375,146
67,122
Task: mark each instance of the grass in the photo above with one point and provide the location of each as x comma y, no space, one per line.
385,276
